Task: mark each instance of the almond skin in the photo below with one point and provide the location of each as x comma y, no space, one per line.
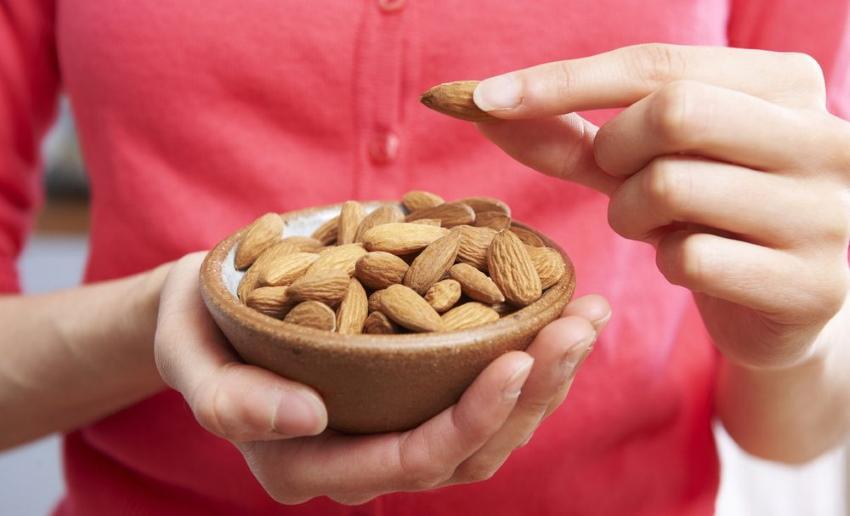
548,264
340,258
378,270
352,310
312,314
429,222
328,286
250,280
474,243
455,99
475,284
380,215
468,315
375,300
262,234
512,270
485,204
443,295
408,309
420,199
296,244
327,232
450,214
528,237
379,324
432,263
402,238
283,270
493,220
349,219
272,301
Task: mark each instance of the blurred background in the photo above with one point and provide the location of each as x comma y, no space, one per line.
31,477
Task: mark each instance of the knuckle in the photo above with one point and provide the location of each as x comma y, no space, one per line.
421,472
476,472
671,112
682,261
807,72
657,63
664,185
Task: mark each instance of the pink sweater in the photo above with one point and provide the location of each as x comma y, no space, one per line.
196,116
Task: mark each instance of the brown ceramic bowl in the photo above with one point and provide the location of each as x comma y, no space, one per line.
370,383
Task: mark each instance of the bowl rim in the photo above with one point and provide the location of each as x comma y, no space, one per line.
214,290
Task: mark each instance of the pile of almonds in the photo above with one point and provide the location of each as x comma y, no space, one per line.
444,266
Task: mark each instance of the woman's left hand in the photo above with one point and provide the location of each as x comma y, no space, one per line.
726,160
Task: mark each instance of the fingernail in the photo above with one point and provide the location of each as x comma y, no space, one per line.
301,413
576,355
513,387
499,92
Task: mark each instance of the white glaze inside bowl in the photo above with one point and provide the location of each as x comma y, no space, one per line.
303,225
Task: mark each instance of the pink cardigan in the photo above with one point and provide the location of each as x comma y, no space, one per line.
196,116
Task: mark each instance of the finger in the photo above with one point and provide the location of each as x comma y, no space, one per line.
674,191
773,282
592,307
623,76
353,468
561,147
700,119
230,399
556,351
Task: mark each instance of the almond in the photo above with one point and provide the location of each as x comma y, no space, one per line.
432,263
528,237
250,280
350,216
379,270
493,219
380,215
272,301
401,238
475,284
468,315
328,286
455,99
340,258
511,269
379,324
443,295
288,245
296,244
353,309
407,308
283,270
474,243
429,222
450,214
420,199
503,309
548,264
261,234
326,233
485,204
375,300
312,314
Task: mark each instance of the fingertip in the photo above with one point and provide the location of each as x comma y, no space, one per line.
300,412
593,307
571,329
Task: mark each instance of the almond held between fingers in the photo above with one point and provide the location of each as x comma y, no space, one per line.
468,315
402,237
350,216
340,258
443,295
380,215
492,219
512,270
486,204
379,324
262,234
272,301
475,284
408,309
312,314
283,270
432,263
548,264
328,286
353,309
327,232
420,199
378,270
450,214
474,243
455,99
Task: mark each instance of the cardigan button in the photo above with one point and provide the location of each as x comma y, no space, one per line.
383,148
389,6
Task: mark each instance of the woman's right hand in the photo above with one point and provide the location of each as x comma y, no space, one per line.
279,425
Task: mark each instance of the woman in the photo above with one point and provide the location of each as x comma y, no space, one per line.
196,118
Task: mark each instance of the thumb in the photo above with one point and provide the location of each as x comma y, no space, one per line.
560,147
